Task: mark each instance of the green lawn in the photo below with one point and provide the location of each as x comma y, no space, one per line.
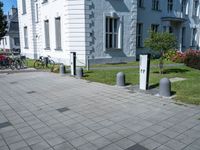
186,91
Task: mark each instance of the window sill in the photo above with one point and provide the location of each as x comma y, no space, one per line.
156,10
26,48
44,2
110,49
141,7
140,47
58,49
47,48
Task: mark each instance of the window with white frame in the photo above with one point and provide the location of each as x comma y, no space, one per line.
170,5
141,3
36,13
195,7
155,4
194,32
46,32
183,36
16,41
183,6
112,35
25,37
24,6
154,27
5,41
58,33
139,37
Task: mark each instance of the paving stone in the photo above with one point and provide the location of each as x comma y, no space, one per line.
78,141
40,146
160,138
125,143
136,137
17,146
150,144
63,146
91,136
175,145
100,142
55,140
87,146
114,137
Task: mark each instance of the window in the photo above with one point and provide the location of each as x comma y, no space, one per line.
46,30
183,37
139,35
170,5
154,27
5,41
195,7
44,1
25,37
141,3
155,4
36,13
16,41
58,33
24,6
112,36
194,32
170,29
164,29
183,6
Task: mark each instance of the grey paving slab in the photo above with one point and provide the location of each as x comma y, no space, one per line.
99,116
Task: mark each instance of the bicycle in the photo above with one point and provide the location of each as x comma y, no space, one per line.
44,62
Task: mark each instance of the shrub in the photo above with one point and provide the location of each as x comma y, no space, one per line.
170,54
179,57
192,59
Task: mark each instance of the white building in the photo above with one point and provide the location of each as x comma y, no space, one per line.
11,39
180,17
103,30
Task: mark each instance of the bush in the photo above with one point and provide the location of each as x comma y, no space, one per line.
170,54
179,57
192,59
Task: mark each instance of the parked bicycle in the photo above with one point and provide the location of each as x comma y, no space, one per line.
13,62
44,62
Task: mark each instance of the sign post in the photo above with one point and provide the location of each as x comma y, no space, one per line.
144,71
73,63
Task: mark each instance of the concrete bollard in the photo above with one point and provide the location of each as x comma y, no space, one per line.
62,69
165,87
79,73
120,79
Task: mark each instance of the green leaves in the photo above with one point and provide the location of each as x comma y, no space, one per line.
160,41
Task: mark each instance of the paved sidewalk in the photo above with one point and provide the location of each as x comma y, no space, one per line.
44,111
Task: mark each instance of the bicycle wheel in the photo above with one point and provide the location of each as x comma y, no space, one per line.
38,64
51,64
17,64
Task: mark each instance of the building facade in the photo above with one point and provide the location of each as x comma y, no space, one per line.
103,31
11,39
180,17
98,30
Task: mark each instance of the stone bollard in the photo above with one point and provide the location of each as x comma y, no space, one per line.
79,73
165,87
62,69
120,79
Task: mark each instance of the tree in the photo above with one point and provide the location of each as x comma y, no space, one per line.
161,42
3,22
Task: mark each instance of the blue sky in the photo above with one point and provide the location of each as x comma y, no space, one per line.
8,4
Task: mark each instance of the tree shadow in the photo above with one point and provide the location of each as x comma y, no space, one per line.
174,70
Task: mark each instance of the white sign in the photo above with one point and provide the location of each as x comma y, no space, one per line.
144,72
73,63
